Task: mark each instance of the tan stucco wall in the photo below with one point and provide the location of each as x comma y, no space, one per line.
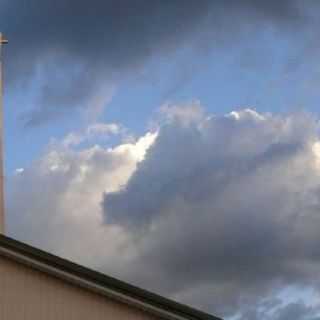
27,294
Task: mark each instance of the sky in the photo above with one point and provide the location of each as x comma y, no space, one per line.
172,144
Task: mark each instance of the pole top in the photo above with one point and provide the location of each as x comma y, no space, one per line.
3,40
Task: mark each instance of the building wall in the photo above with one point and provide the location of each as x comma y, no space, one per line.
27,294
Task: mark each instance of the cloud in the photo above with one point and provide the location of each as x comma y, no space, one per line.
75,49
227,208
220,212
55,203
94,132
295,310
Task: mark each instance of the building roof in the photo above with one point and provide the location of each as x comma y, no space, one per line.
98,282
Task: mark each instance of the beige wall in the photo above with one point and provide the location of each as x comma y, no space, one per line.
26,294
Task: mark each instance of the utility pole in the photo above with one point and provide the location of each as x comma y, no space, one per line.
2,221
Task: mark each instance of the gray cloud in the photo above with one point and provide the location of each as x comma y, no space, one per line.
79,45
226,207
296,310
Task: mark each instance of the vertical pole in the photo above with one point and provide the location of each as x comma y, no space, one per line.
2,221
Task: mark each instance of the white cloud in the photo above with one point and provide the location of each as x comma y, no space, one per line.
19,170
103,128
96,131
56,203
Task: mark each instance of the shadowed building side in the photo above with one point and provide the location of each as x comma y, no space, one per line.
29,294
37,285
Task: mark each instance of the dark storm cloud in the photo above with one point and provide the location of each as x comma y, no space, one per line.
226,207
105,40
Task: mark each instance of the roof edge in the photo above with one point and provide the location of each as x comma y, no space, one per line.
100,280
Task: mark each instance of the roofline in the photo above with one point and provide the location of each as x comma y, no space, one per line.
98,282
